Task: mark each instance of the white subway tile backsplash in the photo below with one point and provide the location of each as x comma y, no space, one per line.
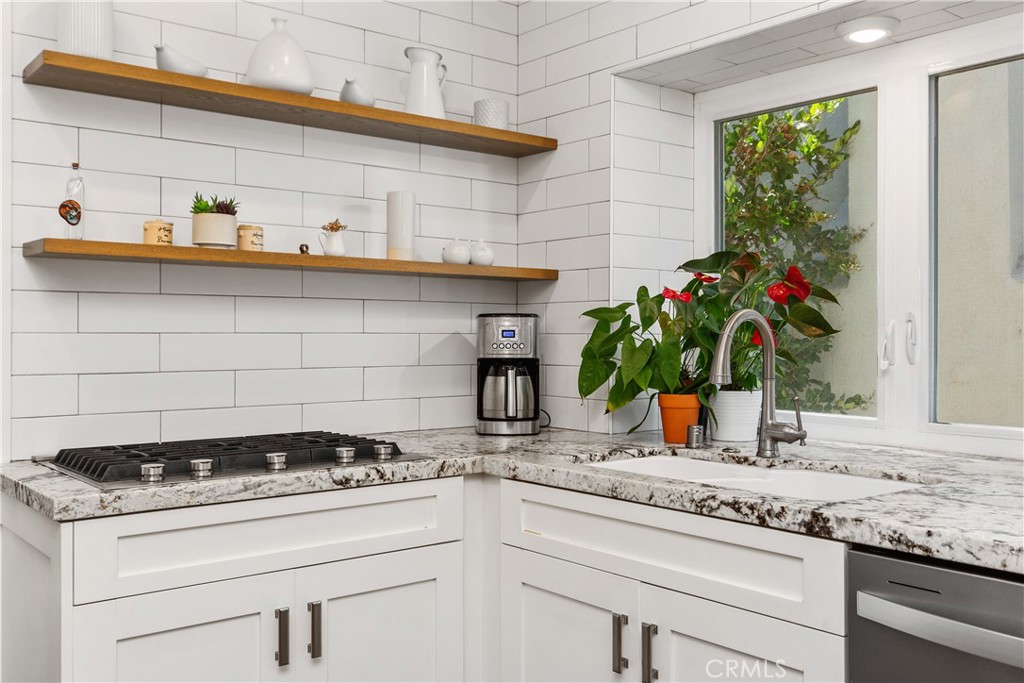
647,252
438,190
180,352
359,350
600,218
500,16
475,40
637,219
677,101
436,221
215,50
360,149
533,255
590,122
154,313
533,197
69,108
389,51
582,188
566,413
276,387
457,162
554,99
258,314
43,143
637,154
279,171
233,131
210,423
256,204
574,254
531,16
637,92
41,354
447,349
554,224
414,316
178,279
570,286
566,160
44,311
653,124
44,395
35,185
362,417
676,160
155,391
653,188
553,37
532,75
215,16
135,35
598,284
591,56
314,35
566,318
600,152
44,436
416,382
37,18
381,17
498,197
699,21
448,411
613,16
475,291
494,75
677,223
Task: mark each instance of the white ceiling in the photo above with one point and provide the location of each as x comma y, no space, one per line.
812,39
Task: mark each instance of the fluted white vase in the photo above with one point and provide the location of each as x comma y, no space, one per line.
279,62
86,27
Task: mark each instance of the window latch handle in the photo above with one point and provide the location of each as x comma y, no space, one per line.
886,355
911,338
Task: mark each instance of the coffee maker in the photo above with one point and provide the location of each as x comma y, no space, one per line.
507,374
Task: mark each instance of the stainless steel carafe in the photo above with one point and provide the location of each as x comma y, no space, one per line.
508,374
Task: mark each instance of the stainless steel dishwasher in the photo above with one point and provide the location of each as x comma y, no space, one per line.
932,622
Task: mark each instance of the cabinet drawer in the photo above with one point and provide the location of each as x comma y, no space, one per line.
776,573
152,551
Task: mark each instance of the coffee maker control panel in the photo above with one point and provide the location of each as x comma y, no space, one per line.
507,336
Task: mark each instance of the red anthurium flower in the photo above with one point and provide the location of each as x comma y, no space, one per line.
757,336
685,297
708,279
794,284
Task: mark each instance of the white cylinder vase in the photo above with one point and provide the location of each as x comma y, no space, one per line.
86,28
738,414
401,224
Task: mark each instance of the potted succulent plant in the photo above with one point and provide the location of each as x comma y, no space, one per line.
214,222
667,352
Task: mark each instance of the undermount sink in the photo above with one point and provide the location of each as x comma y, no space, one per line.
808,484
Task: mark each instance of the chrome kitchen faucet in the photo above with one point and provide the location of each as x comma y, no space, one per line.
770,431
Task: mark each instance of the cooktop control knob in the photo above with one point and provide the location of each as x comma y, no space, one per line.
344,455
202,468
152,472
382,451
276,462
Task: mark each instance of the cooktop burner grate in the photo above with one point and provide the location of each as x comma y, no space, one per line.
106,464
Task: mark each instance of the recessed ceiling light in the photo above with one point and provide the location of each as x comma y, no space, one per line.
868,29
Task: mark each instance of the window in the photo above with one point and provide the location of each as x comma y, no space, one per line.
979,246
925,211
798,186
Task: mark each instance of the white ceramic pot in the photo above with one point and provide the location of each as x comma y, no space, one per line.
279,62
86,27
216,230
738,414
353,92
456,251
480,254
491,113
333,243
169,59
424,96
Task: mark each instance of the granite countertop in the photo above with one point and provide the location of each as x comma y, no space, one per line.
970,508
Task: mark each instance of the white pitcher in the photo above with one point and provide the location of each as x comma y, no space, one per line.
332,243
424,86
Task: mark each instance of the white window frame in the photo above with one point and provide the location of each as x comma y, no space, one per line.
900,74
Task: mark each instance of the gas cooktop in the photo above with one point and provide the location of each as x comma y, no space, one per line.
113,467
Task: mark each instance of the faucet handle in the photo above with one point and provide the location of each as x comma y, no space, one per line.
799,421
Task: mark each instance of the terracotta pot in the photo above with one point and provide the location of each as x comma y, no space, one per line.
678,411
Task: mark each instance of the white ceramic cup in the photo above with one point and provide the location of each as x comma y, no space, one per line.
491,113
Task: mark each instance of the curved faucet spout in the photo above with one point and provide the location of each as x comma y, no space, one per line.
770,431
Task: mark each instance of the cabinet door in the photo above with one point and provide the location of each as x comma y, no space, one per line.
558,621
391,617
223,631
700,640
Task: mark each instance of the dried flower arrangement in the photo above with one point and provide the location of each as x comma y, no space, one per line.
333,226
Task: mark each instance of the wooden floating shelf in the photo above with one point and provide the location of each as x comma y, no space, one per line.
102,77
147,253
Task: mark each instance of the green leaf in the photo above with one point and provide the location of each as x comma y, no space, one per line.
823,293
668,361
715,263
622,393
643,378
808,321
594,372
602,329
634,357
609,314
649,308
611,343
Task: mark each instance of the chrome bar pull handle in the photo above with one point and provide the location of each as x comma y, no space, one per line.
799,421
648,674
511,400
618,661
283,656
316,626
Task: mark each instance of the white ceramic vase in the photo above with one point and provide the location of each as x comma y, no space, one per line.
401,210
738,414
424,96
333,243
480,254
279,62
86,27
353,92
456,251
215,230
169,59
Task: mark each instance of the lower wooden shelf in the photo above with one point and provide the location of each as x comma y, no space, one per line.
123,251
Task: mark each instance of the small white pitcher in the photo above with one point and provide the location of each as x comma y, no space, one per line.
332,243
424,96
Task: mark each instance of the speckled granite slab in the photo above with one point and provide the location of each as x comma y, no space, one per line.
969,509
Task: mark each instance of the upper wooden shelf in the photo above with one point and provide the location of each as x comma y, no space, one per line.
123,251
102,77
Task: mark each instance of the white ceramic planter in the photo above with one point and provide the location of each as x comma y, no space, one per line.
738,414
216,230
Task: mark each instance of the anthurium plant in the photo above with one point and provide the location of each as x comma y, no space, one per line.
668,347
